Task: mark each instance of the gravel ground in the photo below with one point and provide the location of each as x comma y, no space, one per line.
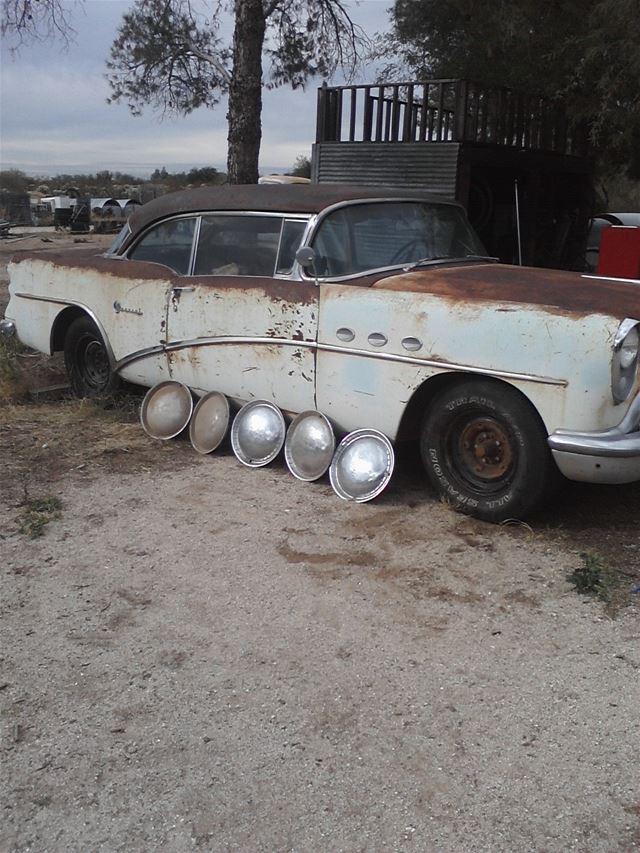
203,655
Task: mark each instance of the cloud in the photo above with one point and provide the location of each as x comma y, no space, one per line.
55,116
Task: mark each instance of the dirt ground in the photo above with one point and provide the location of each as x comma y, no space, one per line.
197,655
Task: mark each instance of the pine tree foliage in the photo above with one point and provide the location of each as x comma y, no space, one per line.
585,53
170,55
165,58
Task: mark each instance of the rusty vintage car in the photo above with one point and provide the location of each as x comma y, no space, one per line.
377,308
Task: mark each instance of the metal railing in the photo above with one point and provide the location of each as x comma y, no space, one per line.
446,111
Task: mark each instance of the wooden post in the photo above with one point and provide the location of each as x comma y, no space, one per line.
338,115
422,135
367,115
460,110
379,114
395,115
352,114
439,122
407,124
321,114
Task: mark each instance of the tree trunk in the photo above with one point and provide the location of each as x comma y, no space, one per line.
245,93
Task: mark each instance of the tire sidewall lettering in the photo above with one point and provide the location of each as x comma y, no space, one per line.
461,402
523,483
451,492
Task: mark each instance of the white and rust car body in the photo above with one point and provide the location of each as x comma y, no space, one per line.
369,343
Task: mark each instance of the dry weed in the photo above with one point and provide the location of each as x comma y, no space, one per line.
14,386
41,441
36,513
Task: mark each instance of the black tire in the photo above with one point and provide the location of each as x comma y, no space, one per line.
87,361
485,450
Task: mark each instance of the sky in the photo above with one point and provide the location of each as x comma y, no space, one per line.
54,116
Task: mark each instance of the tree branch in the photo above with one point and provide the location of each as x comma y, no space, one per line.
222,70
22,21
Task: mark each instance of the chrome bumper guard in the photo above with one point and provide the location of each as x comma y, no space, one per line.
608,456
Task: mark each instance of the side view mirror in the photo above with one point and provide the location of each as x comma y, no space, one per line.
305,256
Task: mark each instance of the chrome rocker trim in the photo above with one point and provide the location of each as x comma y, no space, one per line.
382,356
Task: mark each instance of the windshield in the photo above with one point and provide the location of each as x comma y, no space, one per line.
376,235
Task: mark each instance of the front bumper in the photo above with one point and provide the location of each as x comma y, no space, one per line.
7,328
610,456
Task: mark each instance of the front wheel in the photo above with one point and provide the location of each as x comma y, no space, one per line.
87,361
485,450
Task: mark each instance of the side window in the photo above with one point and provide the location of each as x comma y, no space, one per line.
238,245
292,234
169,243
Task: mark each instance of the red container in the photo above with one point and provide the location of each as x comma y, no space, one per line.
620,252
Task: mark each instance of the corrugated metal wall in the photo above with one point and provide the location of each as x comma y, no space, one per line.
428,167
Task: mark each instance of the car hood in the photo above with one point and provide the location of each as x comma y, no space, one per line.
554,290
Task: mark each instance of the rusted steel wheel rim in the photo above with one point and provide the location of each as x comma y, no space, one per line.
485,450
481,451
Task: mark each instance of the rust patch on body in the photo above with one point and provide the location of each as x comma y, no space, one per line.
278,290
88,260
555,291
367,280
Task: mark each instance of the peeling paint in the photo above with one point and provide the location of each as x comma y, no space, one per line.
554,291
229,322
539,348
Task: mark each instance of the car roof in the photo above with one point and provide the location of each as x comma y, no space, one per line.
285,198
627,218
618,218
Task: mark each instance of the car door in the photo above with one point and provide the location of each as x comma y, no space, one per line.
139,297
239,325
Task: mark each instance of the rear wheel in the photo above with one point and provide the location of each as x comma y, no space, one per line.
485,450
87,361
